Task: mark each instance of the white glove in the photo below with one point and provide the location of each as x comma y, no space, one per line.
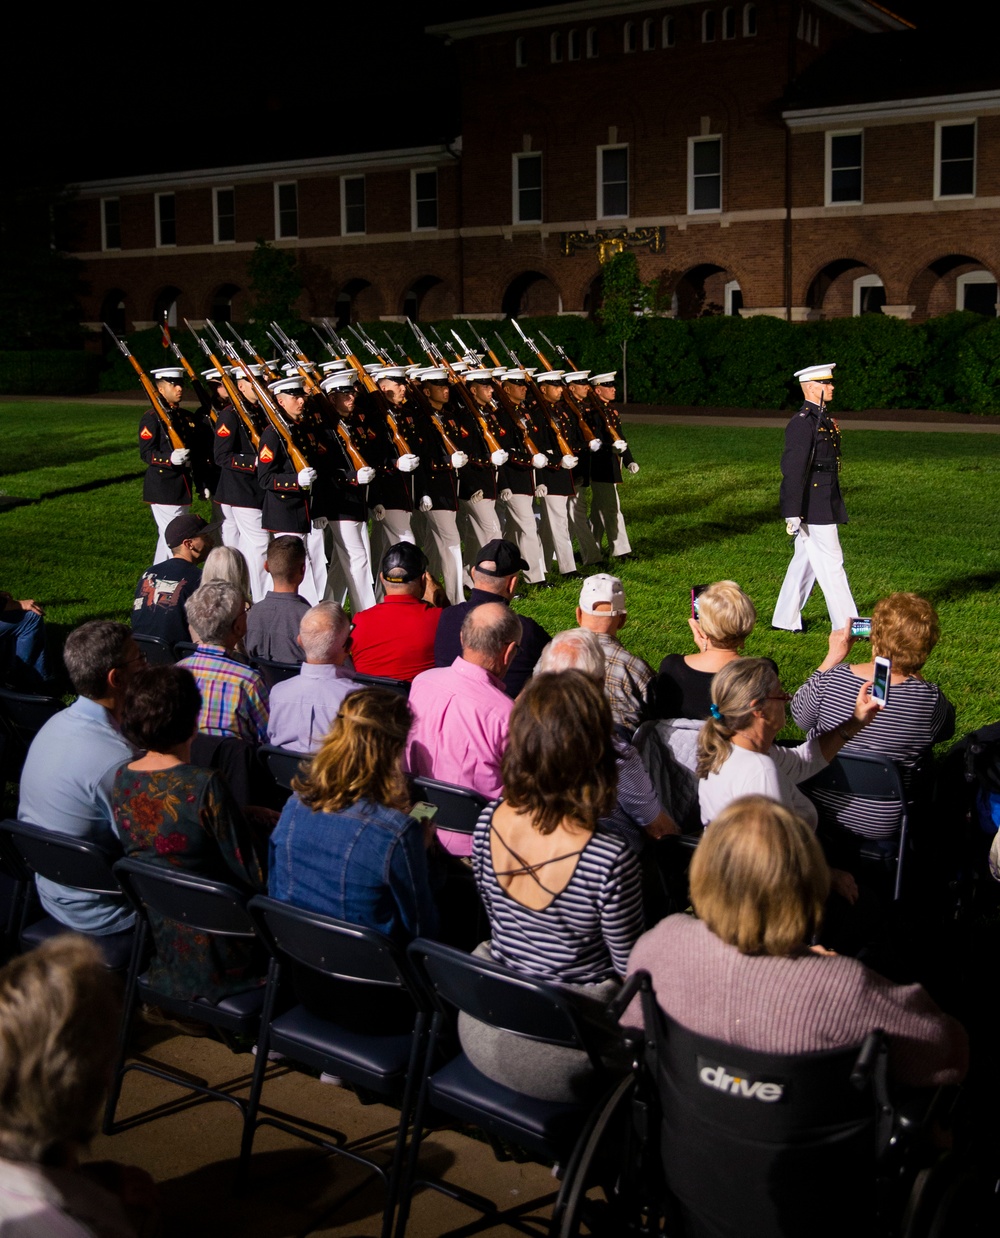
206,492
407,463
378,511
179,456
620,446
594,444
366,475
306,477
507,495
792,525
541,492
459,459
425,503
320,522
570,462
539,461
499,457
633,467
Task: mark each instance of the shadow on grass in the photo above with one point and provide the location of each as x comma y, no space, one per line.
7,502
962,586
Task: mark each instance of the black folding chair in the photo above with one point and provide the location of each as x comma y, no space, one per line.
209,907
458,807
274,671
22,716
159,652
351,977
67,861
400,686
548,1130
870,777
283,763
185,648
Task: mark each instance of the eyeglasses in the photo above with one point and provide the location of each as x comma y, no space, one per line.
780,696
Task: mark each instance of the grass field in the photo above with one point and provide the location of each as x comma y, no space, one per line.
75,535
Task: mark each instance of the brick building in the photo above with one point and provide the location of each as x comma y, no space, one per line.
794,157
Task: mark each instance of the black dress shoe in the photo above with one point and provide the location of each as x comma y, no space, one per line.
789,631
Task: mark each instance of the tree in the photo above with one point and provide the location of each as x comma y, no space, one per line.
275,283
626,300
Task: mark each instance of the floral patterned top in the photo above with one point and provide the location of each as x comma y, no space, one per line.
185,816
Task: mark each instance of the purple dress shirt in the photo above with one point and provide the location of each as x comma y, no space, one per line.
461,718
303,708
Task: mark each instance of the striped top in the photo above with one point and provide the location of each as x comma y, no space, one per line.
585,934
918,715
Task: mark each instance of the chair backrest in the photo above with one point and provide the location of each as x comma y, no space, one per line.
26,713
283,763
400,686
336,948
668,750
61,858
870,776
200,903
767,1144
185,648
458,807
504,999
273,671
159,652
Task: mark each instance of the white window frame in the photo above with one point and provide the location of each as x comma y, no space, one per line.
649,35
278,234
749,12
731,286
729,12
592,43
863,281
667,33
555,47
516,187
414,173
828,168
952,124
160,244
216,190
573,45
104,226
520,52
973,277
600,179
707,16
692,143
629,35
359,176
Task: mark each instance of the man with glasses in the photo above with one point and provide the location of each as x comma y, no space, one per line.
812,506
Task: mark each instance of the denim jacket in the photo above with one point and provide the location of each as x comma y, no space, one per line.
366,864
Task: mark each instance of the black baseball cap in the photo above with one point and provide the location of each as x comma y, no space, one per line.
403,562
504,558
189,525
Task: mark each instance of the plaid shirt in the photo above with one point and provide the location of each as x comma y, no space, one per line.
625,681
233,696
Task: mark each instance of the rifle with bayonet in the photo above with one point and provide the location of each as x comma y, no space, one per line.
265,399
372,387
160,406
248,347
568,361
200,390
586,431
435,357
232,390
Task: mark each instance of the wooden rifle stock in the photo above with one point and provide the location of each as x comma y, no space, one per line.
160,406
232,391
564,447
343,433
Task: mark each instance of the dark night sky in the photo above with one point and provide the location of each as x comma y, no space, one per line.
150,90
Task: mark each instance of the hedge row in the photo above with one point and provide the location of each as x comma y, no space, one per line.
952,362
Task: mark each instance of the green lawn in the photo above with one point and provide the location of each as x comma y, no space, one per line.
924,516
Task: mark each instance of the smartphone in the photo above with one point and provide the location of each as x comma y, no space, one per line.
696,592
880,685
422,811
861,629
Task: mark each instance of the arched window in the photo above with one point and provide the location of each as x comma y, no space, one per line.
749,20
729,23
868,295
668,32
520,53
592,43
630,43
555,47
113,310
221,308
708,26
573,45
648,35
816,33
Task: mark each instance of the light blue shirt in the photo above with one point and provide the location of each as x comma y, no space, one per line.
303,708
66,786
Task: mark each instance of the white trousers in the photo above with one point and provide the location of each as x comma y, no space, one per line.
817,557
438,536
606,518
579,527
350,565
517,518
163,513
251,541
478,524
394,527
556,541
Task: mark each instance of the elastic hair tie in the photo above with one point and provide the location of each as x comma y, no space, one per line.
713,709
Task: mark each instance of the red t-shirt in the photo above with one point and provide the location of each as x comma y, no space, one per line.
395,638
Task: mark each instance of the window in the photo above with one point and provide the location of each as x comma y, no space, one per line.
166,219
977,291
729,23
286,209
704,174
573,45
612,182
528,189
869,295
424,189
668,32
844,177
955,160
732,296
520,53
708,26
224,211
555,47
648,35
592,43
352,205
111,224
749,20
630,38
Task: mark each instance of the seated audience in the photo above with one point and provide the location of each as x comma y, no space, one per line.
916,716
461,712
562,895
225,563
23,659
302,709
71,764
59,1005
682,687
345,845
627,677
234,696
163,589
745,973
395,638
171,812
495,578
273,624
